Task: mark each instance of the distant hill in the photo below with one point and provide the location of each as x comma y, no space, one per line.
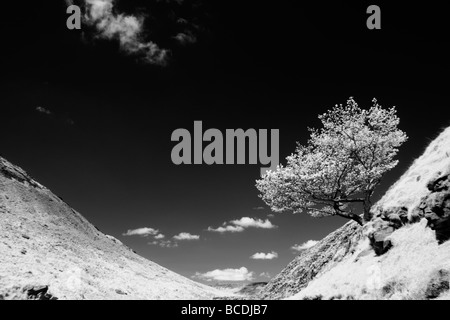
252,289
240,291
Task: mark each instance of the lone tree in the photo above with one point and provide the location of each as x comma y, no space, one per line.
340,166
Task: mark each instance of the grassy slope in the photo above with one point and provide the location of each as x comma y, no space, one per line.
44,242
409,270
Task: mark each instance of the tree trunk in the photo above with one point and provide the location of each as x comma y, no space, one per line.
367,206
348,215
357,218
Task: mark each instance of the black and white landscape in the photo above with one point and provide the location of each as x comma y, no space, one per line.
122,175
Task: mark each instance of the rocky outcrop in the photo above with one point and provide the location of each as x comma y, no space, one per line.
313,261
422,192
11,171
434,206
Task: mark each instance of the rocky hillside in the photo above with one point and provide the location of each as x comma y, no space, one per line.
311,262
252,289
50,251
403,253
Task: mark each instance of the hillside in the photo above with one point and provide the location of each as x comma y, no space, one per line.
403,253
311,262
50,251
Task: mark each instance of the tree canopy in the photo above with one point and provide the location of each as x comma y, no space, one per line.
341,164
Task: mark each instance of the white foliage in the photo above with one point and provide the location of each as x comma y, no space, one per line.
345,159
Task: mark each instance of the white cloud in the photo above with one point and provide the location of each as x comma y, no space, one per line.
164,243
226,229
308,244
247,222
258,208
241,274
127,29
43,110
240,225
186,236
159,236
185,37
142,232
264,256
265,275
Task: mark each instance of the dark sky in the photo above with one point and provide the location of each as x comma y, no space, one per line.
103,142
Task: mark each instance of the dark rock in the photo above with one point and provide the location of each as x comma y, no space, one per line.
440,184
442,228
439,283
381,229
318,297
381,247
118,291
38,293
395,220
435,207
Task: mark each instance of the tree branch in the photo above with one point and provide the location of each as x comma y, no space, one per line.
346,214
350,200
351,216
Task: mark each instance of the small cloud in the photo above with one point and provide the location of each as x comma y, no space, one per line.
241,274
164,243
308,244
159,236
226,229
258,208
265,275
186,236
264,256
144,232
182,21
43,110
55,116
270,215
243,223
185,38
247,222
